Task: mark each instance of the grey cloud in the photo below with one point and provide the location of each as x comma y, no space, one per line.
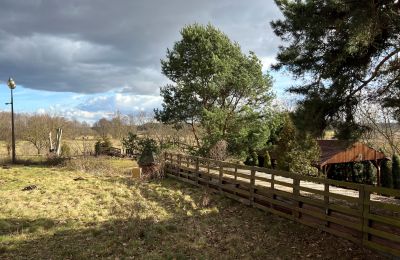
97,46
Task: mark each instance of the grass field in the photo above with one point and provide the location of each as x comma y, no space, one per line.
112,216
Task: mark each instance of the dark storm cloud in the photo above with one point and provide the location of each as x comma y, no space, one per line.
96,46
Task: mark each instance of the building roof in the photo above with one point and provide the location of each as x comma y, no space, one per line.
336,151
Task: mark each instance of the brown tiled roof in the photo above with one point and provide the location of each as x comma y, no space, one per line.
337,151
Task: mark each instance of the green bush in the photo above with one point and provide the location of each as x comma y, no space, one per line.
267,160
252,159
369,173
131,143
386,174
148,152
102,146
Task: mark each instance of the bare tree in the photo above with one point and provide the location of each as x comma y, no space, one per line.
383,130
36,131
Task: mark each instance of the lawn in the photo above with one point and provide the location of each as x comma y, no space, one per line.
114,216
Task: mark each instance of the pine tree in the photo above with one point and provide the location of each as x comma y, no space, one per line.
267,160
396,171
348,47
386,174
369,173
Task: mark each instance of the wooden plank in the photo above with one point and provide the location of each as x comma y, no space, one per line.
182,179
383,219
382,248
315,191
235,197
242,175
332,231
344,209
382,190
330,194
258,178
343,197
282,183
234,189
383,205
275,192
274,211
275,202
383,234
236,182
324,217
227,172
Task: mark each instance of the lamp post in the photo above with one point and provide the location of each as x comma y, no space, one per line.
11,84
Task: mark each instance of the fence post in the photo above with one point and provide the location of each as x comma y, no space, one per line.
252,184
208,174
273,189
179,165
296,194
364,197
197,171
326,202
236,170
221,173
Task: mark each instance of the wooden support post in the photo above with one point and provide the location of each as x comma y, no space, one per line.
326,202
197,170
221,173
377,164
252,185
179,165
364,198
273,188
208,174
296,194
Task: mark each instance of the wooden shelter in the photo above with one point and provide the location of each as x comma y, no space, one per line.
337,151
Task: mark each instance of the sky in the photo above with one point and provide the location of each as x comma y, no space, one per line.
86,59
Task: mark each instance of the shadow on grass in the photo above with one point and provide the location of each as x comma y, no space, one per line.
18,226
224,229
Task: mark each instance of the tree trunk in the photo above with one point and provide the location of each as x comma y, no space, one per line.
195,135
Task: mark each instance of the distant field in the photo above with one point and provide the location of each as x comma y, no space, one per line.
77,146
114,216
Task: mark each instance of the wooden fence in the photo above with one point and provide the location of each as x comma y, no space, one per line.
363,214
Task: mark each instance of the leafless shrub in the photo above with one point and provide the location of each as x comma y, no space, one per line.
219,150
154,171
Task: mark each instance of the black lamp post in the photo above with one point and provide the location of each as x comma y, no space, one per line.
11,85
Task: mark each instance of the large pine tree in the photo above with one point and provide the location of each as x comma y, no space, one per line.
342,50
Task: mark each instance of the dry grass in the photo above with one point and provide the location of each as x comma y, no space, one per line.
113,216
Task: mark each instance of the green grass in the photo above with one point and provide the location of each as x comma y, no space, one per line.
113,216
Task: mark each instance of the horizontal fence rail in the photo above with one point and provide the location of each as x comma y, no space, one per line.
366,215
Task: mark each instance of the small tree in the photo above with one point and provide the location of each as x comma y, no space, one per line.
296,151
386,174
131,143
396,171
102,146
267,160
369,173
148,151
